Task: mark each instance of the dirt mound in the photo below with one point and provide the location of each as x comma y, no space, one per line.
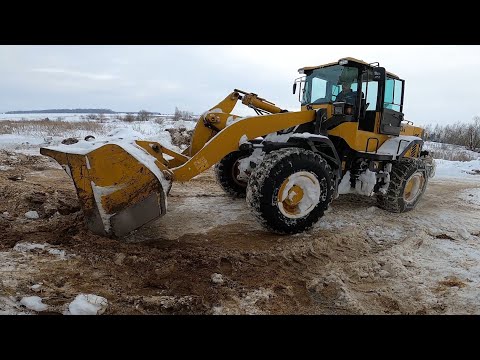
180,136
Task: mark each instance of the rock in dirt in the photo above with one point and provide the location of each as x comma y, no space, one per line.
37,197
217,278
16,178
31,215
36,287
69,141
67,206
119,257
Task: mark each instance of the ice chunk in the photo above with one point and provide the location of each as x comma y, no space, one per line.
33,303
88,304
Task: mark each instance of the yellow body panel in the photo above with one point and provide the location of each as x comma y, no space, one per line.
411,130
357,139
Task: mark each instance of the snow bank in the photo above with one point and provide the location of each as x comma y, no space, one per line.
87,304
457,169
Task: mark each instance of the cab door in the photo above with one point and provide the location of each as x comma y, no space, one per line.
390,103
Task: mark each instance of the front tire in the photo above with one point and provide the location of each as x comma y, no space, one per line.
290,190
408,181
227,171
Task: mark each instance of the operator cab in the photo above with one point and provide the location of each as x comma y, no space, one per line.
354,91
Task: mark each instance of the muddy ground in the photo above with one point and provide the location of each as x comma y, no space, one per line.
208,255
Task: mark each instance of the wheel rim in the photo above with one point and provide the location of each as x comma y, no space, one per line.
413,187
299,194
236,172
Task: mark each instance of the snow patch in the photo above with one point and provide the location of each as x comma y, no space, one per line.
391,146
33,303
26,246
233,119
243,140
309,136
244,164
471,196
247,304
310,185
366,182
345,186
274,137
60,253
457,169
98,192
87,304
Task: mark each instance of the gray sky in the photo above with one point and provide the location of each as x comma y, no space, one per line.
441,81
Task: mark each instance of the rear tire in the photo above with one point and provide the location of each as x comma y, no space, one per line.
290,190
226,172
408,181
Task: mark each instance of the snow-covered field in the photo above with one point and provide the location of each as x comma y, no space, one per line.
68,117
450,152
358,259
28,137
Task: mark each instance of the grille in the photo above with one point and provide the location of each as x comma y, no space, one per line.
414,150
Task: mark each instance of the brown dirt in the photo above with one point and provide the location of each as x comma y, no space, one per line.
342,266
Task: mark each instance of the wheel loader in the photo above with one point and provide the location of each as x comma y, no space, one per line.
289,165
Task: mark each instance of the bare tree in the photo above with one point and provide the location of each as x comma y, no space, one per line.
128,118
143,115
182,115
464,134
473,134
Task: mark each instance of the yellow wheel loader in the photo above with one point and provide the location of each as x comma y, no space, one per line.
350,135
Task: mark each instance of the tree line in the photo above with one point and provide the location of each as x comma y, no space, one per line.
460,133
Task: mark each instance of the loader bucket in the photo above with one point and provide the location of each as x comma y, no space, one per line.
120,188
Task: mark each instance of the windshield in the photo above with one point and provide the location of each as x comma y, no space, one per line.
323,85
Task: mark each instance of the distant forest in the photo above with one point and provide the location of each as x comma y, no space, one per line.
65,111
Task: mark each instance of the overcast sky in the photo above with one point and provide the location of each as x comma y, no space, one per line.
442,82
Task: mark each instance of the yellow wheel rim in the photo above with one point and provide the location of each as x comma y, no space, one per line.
413,187
298,194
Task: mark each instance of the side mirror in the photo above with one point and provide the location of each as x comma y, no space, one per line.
294,87
379,74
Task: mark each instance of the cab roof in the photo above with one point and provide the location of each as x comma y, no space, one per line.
350,59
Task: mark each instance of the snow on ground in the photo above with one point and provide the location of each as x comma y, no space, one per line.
458,169
32,136
25,247
471,196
